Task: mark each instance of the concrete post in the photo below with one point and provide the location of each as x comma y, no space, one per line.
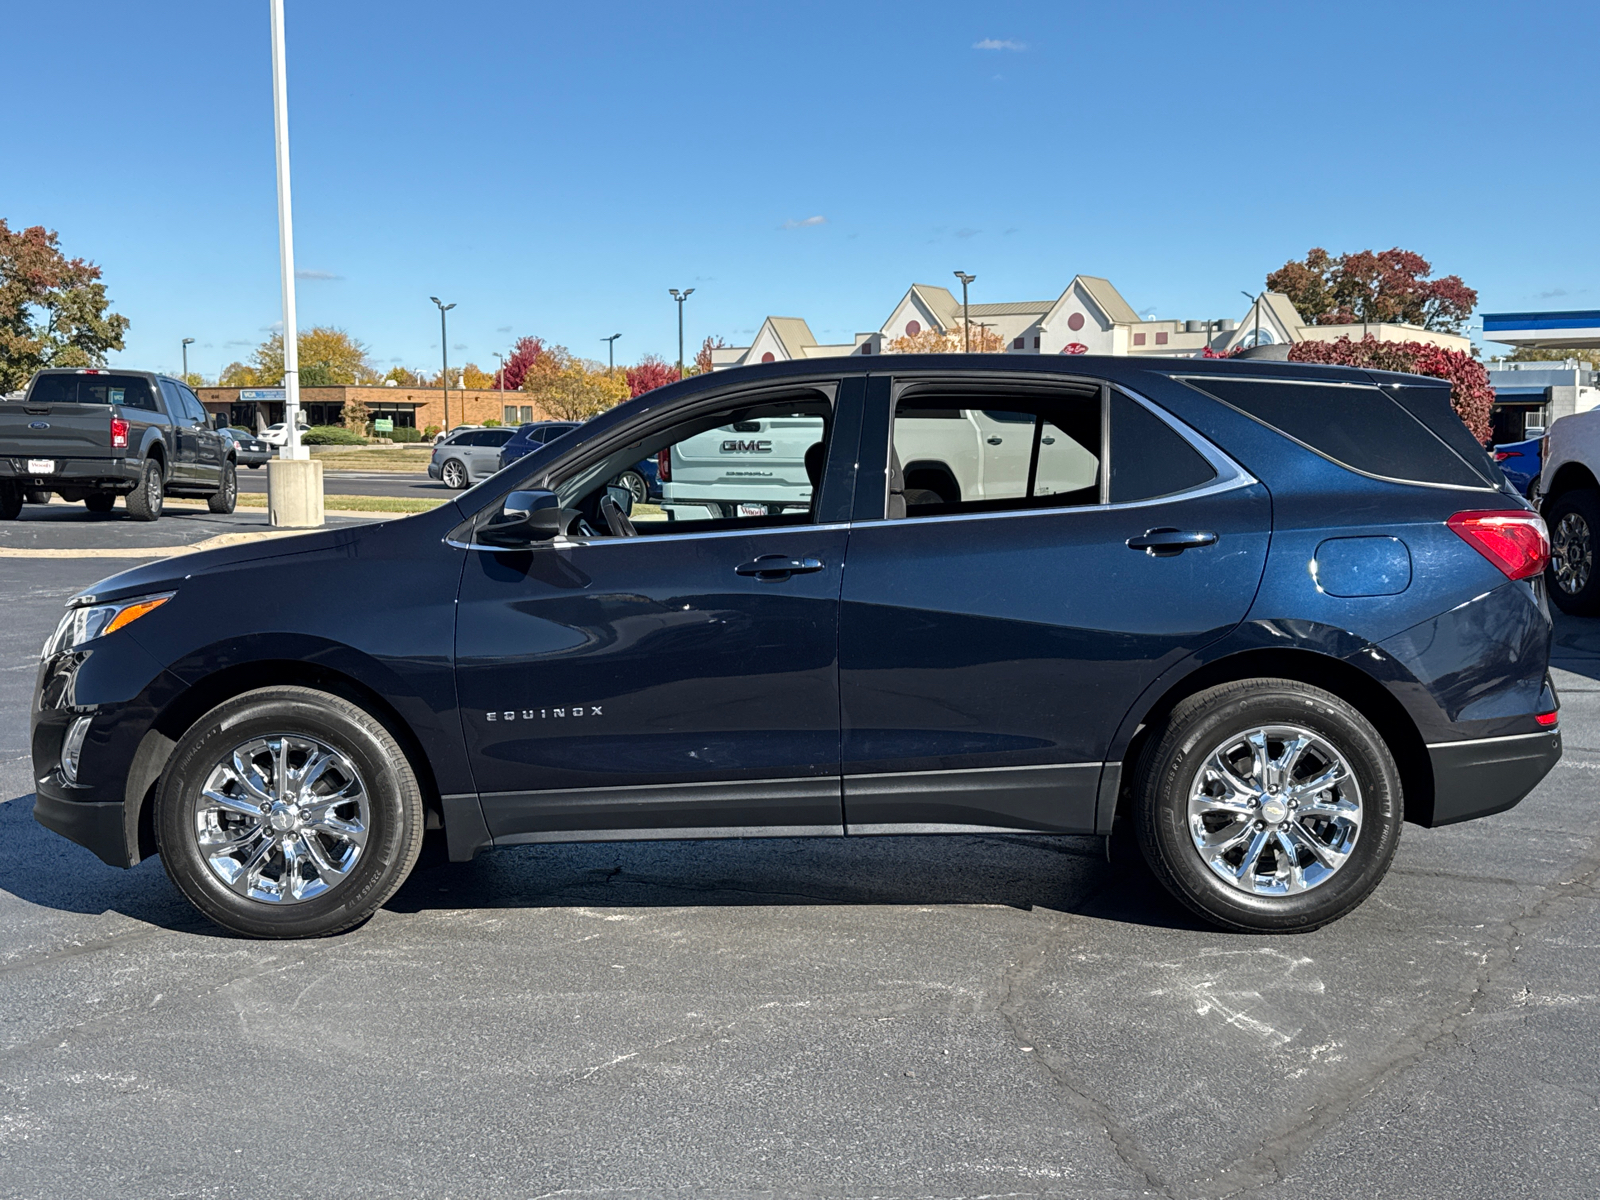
294,493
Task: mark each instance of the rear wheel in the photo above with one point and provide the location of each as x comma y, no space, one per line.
38,496
100,502
1573,518
454,474
10,502
146,500
636,485
225,497
1268,805
287,813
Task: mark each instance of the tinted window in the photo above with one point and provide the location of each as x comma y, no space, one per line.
1431,406
192,403
1356,426
173,401
1030,451
1148,457
129,391
497,437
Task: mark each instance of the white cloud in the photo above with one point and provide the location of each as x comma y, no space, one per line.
315,276
999,44
503,329
804,224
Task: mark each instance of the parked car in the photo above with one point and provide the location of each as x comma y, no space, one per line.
468,456
1520,462
1294,607
248,449
1569,490
278,435
94,434
640,478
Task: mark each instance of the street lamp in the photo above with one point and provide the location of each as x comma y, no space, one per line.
500,373
444,349
1255,304
966,326
611,346
187,342
680,297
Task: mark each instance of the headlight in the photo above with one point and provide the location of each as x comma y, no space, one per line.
84,624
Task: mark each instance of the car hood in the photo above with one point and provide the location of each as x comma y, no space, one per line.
169,573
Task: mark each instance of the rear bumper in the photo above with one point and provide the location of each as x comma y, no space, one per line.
1489,775
73,472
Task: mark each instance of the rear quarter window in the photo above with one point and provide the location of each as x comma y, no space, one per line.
1355,425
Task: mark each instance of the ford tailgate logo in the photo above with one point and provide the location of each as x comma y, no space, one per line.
38,424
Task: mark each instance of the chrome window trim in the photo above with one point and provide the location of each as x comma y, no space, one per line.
1193,381
1230,475
566,543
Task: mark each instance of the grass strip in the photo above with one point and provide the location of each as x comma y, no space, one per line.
394,504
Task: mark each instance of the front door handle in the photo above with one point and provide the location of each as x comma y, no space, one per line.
777,567
1164,543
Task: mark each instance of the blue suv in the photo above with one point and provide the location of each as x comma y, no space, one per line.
639,478
1252,616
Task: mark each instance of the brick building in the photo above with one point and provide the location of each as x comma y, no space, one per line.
407,407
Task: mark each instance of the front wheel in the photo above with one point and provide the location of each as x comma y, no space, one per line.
38,496
454,474
1268,806
1573,518
10,503
225,497
288,813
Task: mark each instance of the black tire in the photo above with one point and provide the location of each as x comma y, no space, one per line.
147,499
10,502
100,502
38,496
1171,765
636,485
454,474
254,466
225,497
394,812
1571,579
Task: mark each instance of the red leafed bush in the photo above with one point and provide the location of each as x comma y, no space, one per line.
1470,393
650,373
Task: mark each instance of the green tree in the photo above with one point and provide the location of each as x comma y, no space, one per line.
329,357
53,310
237,374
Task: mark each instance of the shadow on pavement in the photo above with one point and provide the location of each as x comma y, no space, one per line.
1576,644
1059,873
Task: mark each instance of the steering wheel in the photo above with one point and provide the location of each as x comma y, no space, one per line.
616,520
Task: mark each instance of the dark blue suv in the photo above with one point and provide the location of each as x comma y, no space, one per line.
1252,615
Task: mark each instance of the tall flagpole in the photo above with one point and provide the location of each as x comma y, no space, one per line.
291,341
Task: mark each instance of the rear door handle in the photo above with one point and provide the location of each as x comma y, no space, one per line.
776,567
1164,543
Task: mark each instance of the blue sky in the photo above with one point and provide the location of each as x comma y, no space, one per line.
554,169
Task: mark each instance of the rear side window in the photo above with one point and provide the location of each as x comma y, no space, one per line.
129,391
1431,406
1357,426
1148,457
499,437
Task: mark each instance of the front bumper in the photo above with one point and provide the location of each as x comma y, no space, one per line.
1488,775
101,826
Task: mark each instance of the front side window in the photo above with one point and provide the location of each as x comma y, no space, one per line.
994,452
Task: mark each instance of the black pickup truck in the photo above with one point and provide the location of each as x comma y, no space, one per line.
96,434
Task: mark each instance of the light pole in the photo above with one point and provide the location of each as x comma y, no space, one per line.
966,325
444,349
187,342
680,297
291,335
500,373
611,346
1255,305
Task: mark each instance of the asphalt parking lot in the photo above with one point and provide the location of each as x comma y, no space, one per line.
885,1017
399,484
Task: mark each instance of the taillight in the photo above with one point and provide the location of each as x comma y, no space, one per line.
1547,720
119,433
1516,542
1502,455
664,465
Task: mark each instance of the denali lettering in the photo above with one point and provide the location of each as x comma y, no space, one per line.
544,714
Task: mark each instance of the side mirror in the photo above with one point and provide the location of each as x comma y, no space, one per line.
623,498
219,421
532,516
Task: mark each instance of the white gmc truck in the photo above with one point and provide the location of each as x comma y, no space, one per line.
1569,486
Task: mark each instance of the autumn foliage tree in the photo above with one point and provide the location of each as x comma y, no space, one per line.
649,373
952,341
329,357
53,309
523,355
702,360
1470,392
1393,285
569,388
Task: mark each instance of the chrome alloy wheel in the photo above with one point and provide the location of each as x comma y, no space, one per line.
453,474
1275,810
282,819
1571,553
